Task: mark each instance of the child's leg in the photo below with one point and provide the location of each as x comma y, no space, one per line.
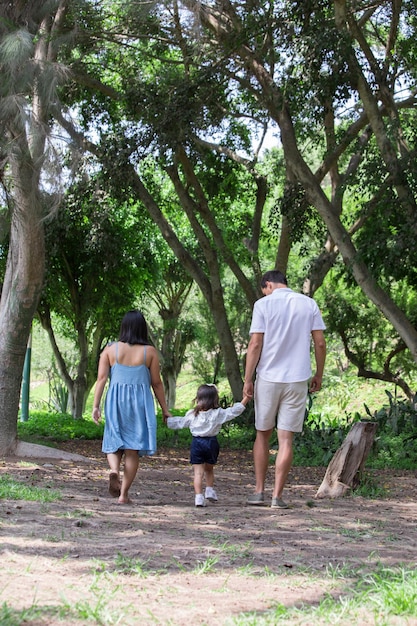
198,478
209,474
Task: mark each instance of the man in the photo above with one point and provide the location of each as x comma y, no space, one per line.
283,323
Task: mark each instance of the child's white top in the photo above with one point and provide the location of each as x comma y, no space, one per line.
206,423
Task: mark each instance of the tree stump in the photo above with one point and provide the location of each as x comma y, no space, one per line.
343,471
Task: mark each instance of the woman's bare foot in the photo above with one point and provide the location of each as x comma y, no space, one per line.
114,484
124,500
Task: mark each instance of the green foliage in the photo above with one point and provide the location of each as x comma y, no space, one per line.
58,427
234,436
98,260
59,396
395,445
370,488
396,442
400,416
320,439
367,339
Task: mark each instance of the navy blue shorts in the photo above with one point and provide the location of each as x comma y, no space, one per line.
204,450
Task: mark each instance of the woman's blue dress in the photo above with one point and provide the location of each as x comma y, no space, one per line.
130,410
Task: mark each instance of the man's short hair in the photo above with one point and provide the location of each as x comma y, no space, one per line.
273,276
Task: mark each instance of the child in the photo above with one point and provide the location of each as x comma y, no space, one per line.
204,422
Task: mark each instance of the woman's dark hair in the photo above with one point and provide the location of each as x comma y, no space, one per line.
134,329
273,276
207,398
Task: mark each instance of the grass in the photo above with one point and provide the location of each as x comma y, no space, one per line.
382,597
11,489
375,598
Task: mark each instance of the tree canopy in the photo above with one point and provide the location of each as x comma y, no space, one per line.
174,100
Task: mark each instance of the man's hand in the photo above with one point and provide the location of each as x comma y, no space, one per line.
315,384
248,389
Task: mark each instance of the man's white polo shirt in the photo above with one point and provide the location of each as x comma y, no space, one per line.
286,319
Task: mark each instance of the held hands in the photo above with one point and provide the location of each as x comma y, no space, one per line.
248,390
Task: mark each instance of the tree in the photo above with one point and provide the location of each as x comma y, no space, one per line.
99,261
364,57
370,343
30,75
164,127
170,292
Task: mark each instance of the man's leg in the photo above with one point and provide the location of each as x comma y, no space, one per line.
283,461
261,458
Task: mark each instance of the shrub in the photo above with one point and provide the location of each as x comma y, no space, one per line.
58,427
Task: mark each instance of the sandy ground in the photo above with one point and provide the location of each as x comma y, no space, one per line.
85,559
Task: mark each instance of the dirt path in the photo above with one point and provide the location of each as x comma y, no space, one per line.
161,561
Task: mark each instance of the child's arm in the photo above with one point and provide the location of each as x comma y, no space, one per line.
226,415
179,422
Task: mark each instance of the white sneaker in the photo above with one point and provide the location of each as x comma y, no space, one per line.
211,494
199,500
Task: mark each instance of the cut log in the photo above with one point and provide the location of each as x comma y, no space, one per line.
344,470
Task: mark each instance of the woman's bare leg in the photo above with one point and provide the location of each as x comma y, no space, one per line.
114,459
129,474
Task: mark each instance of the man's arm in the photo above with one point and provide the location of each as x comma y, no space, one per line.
320,356
252,357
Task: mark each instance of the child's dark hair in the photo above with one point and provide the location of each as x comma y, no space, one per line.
207,398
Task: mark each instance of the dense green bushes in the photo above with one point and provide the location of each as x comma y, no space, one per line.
395,444
45,427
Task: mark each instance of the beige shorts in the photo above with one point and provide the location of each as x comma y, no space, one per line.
281,405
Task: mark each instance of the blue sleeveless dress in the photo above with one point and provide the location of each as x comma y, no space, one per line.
130,410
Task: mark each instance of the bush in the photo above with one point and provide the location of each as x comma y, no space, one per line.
395,445
321,438
43,425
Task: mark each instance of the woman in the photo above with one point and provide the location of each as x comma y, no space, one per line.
130,428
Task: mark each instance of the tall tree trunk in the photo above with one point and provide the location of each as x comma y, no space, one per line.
170,386
80,386
342,238
210,287
78,396
25,122
20,295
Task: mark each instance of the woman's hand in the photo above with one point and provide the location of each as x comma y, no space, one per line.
96,414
